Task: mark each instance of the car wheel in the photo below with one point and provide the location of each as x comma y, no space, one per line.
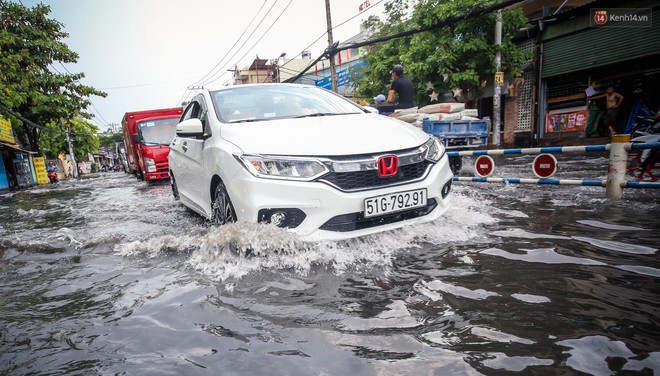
175,188
223,210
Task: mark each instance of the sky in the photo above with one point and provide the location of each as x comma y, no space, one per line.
145,53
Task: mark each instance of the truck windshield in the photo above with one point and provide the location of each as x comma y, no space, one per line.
158,132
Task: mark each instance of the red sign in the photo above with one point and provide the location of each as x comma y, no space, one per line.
600,17
569,122
484,166
388,165
544,165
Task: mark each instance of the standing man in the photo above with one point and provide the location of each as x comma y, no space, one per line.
403,87
614,100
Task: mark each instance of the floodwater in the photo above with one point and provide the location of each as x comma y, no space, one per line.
108,275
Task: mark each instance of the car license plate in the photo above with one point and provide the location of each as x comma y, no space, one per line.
394,202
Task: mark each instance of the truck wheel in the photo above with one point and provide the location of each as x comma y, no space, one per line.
139,175
222,209
455,164
175,189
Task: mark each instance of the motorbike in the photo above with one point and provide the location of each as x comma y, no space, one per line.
52,176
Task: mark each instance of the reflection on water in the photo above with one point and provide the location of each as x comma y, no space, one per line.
109,275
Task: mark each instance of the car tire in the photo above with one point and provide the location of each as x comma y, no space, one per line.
222,208
175,188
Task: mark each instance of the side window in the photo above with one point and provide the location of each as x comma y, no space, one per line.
191,111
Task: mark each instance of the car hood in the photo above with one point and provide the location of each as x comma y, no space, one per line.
324,136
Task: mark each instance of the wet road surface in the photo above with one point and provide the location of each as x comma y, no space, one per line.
108,275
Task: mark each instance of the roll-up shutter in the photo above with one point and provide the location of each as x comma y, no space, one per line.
598,46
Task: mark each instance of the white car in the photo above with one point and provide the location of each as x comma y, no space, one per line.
306,159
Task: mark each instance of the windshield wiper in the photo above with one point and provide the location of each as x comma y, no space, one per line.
319,114
245,120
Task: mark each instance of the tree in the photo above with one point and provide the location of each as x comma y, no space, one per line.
83,136
30,43
461,55
110,139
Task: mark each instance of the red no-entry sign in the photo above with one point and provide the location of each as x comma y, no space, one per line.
484,166
544,165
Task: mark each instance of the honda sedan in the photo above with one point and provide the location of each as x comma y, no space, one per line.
306,159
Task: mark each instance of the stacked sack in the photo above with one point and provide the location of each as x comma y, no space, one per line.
409,115
437,111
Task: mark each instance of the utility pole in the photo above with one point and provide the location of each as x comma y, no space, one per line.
333,70
499,81
74,166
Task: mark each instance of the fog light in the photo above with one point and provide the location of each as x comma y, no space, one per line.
446,189
281,217
278,218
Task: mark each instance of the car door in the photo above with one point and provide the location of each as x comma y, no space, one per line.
191,179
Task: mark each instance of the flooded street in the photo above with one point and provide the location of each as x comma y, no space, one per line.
108,275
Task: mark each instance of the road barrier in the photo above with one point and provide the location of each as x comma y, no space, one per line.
545,165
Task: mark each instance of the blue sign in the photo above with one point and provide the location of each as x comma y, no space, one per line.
343,77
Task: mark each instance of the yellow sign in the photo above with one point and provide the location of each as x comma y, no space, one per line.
499,78
6,134
40,169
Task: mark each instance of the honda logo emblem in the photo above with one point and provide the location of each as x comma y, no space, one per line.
388,165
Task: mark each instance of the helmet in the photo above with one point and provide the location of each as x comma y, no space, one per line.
398,69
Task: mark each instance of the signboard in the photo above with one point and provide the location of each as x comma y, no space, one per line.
343,77
40,169
499,78
6,133
484,166
569,122
544,165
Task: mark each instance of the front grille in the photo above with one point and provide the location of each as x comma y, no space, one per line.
357,180
356,221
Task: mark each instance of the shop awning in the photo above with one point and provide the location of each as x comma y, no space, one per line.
16,148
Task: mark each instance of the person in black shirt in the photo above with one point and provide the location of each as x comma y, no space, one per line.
403,87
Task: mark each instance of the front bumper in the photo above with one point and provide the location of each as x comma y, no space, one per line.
322,203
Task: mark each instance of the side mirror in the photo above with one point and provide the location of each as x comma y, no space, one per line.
136,138
190,127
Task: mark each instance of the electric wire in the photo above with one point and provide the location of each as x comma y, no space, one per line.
475,12
333,28
239,38
258,40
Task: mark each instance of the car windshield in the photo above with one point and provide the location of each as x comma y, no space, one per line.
159,131
269,102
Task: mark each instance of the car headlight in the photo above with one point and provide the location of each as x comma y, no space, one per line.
150,164
434,149
293,168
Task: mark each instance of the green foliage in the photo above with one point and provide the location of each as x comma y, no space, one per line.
464,52
110,139
31,43
83,137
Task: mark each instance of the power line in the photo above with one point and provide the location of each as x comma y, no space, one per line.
258,40
239,38
333,28
90,101
475,12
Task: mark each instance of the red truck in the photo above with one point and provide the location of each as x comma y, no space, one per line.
147,136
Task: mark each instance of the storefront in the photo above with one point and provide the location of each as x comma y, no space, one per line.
16,166
579,60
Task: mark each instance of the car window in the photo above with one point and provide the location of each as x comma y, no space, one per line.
268,102
190,111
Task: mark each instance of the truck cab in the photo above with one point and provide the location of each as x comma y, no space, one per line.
147,135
